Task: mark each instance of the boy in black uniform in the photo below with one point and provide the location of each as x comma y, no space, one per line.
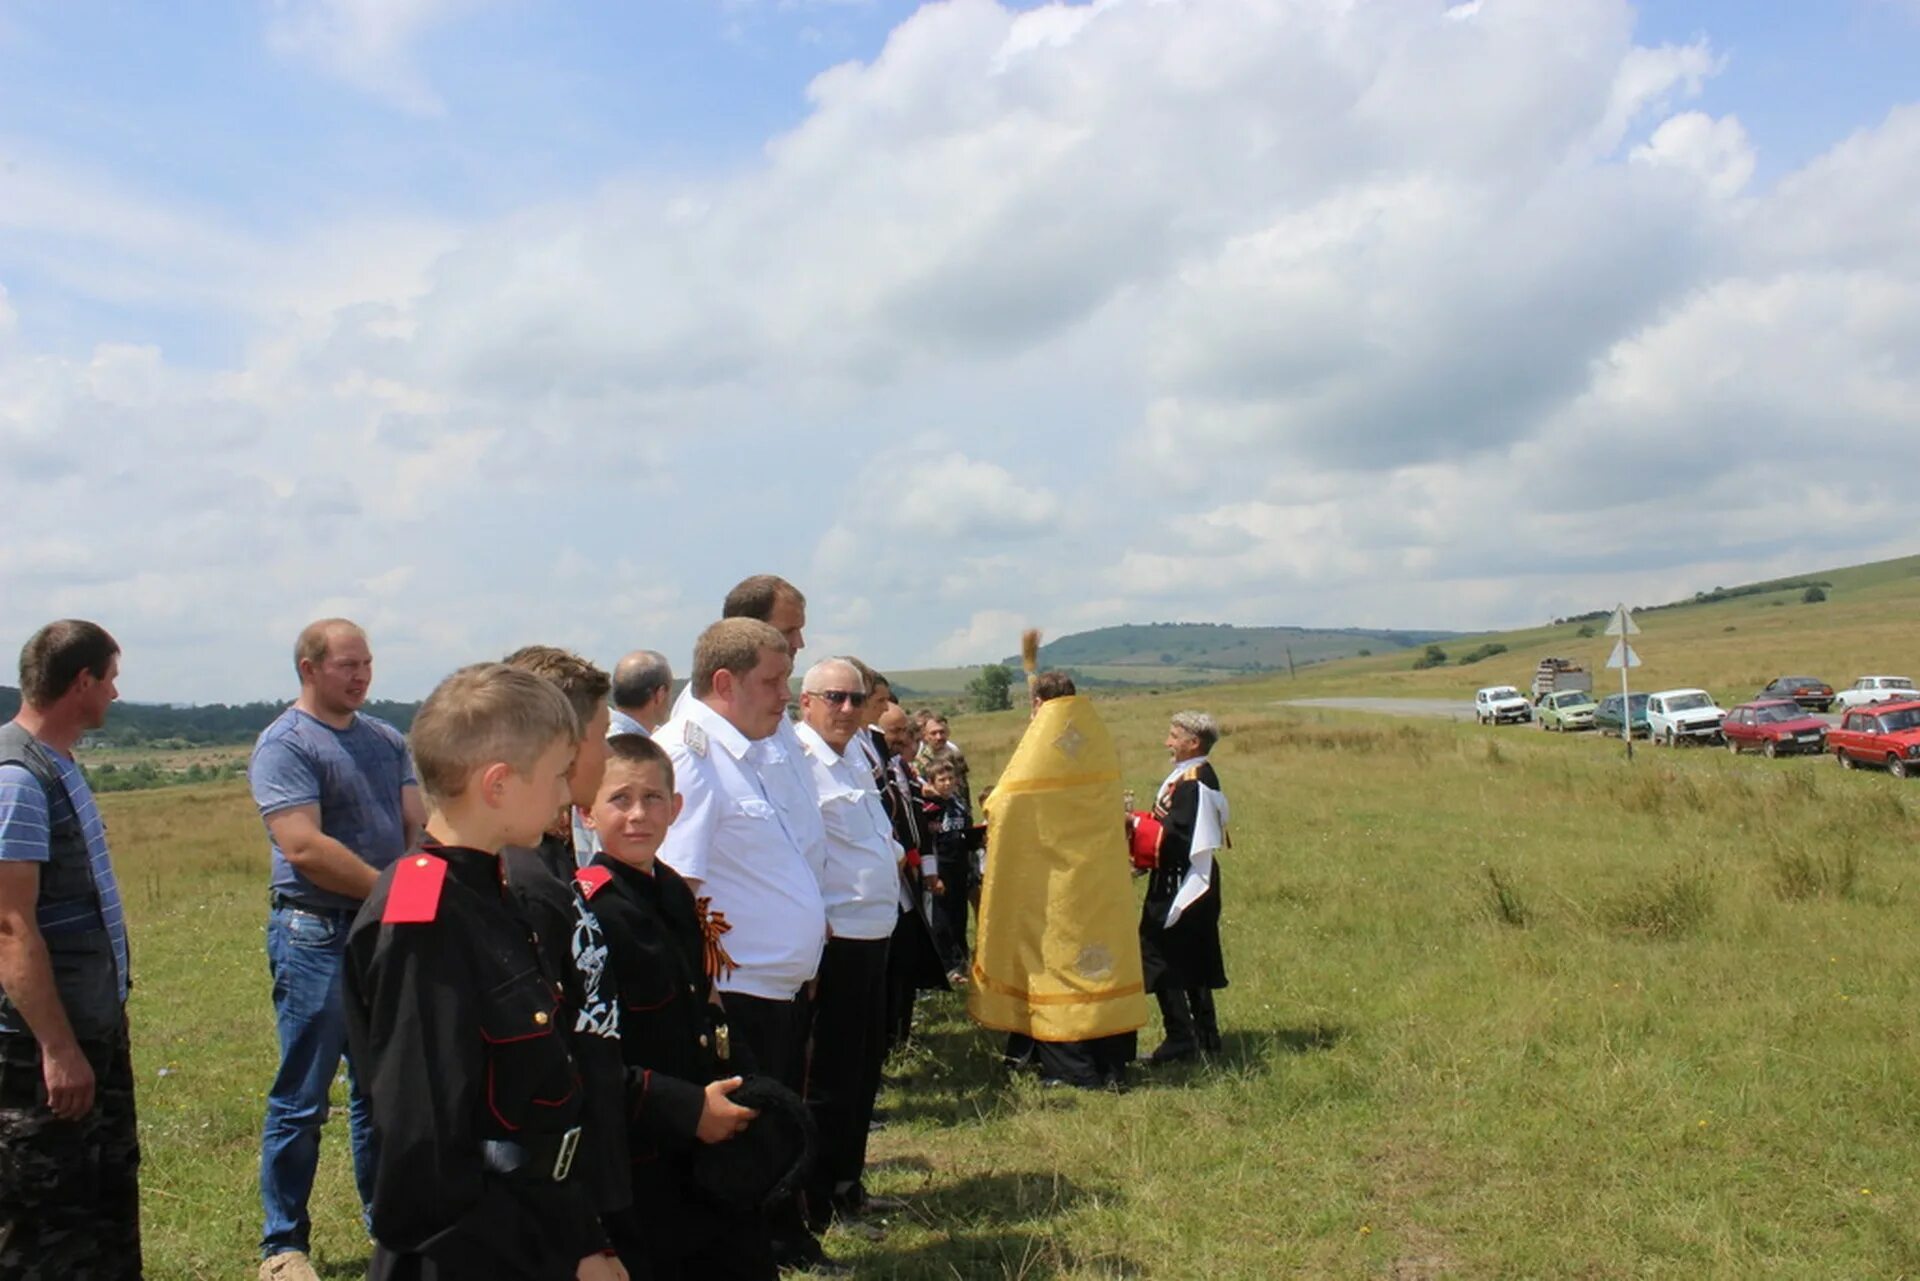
947,817
665,949
455,1014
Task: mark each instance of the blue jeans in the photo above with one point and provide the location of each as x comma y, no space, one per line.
304,952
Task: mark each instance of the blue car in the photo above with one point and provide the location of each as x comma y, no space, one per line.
1606,717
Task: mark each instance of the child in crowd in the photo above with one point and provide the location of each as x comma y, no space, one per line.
949,818
452,1017
664,950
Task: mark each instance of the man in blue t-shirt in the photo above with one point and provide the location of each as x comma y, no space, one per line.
69,1143
337,791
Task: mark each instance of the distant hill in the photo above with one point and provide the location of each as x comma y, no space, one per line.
212,725
1220,647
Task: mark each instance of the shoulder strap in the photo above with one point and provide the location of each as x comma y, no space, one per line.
592,879
414,896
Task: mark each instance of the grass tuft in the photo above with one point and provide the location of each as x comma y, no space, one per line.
1503,900
1800,873
1672,905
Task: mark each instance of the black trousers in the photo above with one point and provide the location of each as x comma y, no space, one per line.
772,1036
69,1190
1090,1065
950,914
1191,1021
843,1070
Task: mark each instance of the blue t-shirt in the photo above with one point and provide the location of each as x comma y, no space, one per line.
27,819
354,775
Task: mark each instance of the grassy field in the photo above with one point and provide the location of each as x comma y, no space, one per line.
1730,648
946,687
1502,1005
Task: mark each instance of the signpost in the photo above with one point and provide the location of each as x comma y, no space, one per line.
1623,626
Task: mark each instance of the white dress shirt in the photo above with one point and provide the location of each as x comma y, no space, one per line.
736,840
859,869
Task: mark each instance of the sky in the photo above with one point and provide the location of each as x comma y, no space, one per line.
486,322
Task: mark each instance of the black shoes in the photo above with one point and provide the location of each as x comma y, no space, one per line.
1172,1052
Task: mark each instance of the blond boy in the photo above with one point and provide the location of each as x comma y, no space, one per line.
450,1007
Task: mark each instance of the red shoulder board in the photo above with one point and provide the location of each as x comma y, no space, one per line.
591,880
414,896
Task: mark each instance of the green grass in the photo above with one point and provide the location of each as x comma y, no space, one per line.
1503,1005
1683,1064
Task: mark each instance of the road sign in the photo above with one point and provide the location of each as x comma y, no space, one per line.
1623,655
1622,624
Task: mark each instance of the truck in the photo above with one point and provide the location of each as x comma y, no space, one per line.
1555,675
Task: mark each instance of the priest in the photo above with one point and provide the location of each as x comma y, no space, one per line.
1056,962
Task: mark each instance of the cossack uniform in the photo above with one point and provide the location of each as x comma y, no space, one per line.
664,949
456,1018
1180,918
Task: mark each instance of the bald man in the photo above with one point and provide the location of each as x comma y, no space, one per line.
642,693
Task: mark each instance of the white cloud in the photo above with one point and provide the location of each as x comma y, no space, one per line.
367,43
1715,151
986,637
1266,312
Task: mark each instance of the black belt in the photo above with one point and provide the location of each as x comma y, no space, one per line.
541,1158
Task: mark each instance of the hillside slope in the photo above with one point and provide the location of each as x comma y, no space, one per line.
1731,642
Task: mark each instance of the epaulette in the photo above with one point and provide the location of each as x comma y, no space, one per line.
591,880
1191,775
695,738
414,896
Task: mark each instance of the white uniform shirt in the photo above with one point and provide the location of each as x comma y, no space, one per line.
859,870
734,839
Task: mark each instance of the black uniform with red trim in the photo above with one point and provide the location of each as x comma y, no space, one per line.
573,944
663,949
455,1022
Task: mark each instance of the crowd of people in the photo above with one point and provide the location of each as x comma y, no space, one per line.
614,974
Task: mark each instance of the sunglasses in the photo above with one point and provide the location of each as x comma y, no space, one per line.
840,696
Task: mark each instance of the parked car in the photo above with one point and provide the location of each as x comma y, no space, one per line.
1607,713
1569,709
1775,726
1875,689
1675,716
1498,704
1887,734
1807,691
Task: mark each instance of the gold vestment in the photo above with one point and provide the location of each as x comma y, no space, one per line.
1057,954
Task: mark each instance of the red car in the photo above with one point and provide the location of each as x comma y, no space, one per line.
1775,726
1884,734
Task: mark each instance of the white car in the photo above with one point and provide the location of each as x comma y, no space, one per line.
1874,689
1498,704
1675,716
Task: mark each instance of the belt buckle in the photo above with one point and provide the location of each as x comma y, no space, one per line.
563,1163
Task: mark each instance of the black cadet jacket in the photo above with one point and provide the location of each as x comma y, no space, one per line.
455,1024
573,946
671,1039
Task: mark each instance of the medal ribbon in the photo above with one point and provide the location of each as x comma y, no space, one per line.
712,926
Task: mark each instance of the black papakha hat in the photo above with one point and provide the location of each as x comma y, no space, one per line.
766,1161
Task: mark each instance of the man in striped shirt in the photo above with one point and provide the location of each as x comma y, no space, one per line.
69,1151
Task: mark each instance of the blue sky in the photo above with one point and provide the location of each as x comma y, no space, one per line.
460,313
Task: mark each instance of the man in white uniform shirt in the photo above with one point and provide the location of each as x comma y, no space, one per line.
770,599
738,847
859,872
